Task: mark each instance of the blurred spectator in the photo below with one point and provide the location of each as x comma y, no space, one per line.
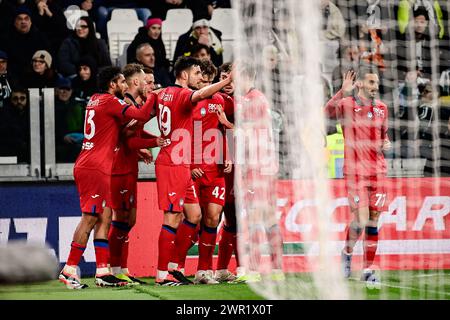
15,127
23,41
428,133
436,12
145,55
49,18
416,51
69,122
159,8
5,80
41,73
201,33
150,34
85,83
349,60
445,141
82,42
105,7
333,22
6,19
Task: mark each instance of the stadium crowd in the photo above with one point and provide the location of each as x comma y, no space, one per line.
38,49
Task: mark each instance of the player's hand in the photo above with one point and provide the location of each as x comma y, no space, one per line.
387,145
348,83
203,39
145,155
223,117
161,142
196,173
228,165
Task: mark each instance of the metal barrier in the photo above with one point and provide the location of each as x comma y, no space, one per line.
43,165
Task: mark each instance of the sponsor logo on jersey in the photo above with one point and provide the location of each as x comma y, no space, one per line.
87,145
172,194
358,109
203,112
213,107
123,191
369,115
95,196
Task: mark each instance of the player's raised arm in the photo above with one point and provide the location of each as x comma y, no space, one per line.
346,90
208,91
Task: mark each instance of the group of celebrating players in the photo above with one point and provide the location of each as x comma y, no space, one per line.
195,178
106,172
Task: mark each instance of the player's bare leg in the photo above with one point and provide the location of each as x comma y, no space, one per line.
207,244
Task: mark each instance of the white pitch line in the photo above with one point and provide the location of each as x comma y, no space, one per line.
415,289
403,287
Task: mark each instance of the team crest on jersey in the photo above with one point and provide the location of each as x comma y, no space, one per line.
203,112
103,203
181,202
131,199
356,199
369,115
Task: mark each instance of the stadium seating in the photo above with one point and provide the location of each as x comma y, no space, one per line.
124,15
413,167
122,28
220,20
72,16
178,21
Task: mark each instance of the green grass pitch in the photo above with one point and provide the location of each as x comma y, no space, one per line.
411,285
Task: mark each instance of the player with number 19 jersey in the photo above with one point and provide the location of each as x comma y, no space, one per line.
172,166
92,171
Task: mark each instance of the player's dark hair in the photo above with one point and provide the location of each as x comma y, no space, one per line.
184,63
226,67
106,75
199,47
131,69
148,70
208,68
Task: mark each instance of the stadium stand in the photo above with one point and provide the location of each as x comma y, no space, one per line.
122,28
178,21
